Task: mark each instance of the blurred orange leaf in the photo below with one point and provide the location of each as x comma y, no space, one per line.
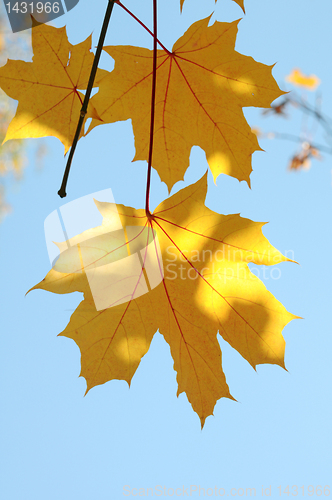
302,160
296,77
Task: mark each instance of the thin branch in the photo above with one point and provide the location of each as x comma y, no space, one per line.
295,138
153,100
62,191
299,102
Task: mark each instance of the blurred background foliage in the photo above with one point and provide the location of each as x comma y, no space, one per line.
13,153
314,125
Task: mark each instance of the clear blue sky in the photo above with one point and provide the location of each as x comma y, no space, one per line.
55,443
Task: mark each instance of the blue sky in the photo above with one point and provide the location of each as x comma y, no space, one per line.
55,443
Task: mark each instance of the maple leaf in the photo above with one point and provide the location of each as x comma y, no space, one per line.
239,2
201,89
202,285
48,88
296,77
113,340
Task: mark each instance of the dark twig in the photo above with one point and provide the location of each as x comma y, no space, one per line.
153,100
62,191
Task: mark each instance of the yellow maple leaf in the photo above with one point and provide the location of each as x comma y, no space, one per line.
202,285
202,86
48,88
239,2
296,77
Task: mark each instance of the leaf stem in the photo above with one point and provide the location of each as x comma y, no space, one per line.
62,191
153,100
142,24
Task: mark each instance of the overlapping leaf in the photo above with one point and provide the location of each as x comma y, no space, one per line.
48,88
205,286
202,86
